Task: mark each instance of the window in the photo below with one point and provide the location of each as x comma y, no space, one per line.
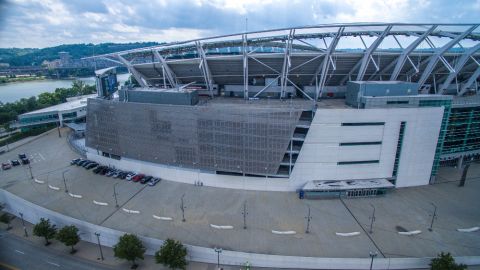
359,143
364,124
357,162
397,102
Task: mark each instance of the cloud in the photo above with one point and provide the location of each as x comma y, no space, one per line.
41,23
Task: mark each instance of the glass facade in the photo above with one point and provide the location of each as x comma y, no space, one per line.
399,148
463,131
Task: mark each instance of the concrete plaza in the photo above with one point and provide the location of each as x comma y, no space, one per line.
407,208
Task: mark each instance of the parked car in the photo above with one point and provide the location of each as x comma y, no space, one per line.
6,166
154,181
117,174
130,176
138,177
80,163
91,166
146,179
104,171
22,156
98,169
111,172
75,161
87,163
123,175
15,162
25,161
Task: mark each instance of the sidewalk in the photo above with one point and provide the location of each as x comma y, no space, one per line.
89,251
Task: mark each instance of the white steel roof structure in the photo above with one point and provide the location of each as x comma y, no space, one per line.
436,55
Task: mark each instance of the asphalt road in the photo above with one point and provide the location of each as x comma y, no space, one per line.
17,253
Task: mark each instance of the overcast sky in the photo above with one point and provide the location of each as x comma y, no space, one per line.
44,23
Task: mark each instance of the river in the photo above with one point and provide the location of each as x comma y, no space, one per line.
11,92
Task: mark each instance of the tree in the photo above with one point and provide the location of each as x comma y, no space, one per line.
172,254
445,261
130,248
6,218
45,229
68,235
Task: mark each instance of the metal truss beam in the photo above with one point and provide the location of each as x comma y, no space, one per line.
458,67
367,57
325,64
406,52
138,77
439,53
286,63
470,81
245,67
207,75
166,70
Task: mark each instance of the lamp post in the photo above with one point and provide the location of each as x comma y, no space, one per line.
30,169
308,217
372,219
372,256
23,223
64,181
115,194
182,207
434,216
218,251
245,213
99,246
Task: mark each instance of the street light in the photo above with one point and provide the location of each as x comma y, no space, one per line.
245,213
308,217
218,251
115,194
64,181
99,246
434,216
372,255
30,169
182,207
23,223
372,218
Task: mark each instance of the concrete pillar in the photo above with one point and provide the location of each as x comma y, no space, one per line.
460,163
60,119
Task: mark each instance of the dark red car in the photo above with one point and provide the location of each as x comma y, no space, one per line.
138,177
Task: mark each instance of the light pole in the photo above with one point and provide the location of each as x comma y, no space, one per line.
58,129
64,181
464,175
182,207
99,246
218,251
308,217
115,194
30,169
372,256
245,213
372,218
23,223
434,216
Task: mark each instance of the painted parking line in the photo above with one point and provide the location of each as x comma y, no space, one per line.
18,251
52,263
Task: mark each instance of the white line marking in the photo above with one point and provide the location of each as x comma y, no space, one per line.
56,264
283,232
100,203
348,234
410,232
162,218
53,187
131,211
75,195
18,251
39,181
221,227
473,229
41,156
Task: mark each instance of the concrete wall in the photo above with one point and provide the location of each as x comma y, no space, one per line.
321,150
109,237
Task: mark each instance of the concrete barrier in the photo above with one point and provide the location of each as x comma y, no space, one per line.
109,237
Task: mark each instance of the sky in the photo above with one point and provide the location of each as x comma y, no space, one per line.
45,23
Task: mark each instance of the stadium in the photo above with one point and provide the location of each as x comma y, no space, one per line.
343,109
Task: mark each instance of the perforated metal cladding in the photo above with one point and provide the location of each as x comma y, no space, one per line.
234,138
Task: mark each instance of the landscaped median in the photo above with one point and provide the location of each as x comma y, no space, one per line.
109,237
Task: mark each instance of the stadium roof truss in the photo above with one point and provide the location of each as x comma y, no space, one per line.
437,55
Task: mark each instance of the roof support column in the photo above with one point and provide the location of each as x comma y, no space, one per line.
368,53
138,77
207,75
245,67
166,69
286,63
439,53
458,67
326,64
470,81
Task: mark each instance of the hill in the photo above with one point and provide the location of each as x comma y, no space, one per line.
35,57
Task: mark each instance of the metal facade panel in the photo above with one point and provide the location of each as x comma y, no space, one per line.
233,138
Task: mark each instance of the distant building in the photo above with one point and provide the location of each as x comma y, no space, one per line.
65,59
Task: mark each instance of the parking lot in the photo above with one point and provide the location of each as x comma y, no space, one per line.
210,213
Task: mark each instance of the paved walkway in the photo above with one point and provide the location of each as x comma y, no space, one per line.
403,209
